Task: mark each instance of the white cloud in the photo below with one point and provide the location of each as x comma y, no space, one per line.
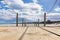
25,8
6,6
57,9
53,16
3,2
7,14
30,11
35,1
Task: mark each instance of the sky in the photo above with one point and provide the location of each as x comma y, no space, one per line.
30,10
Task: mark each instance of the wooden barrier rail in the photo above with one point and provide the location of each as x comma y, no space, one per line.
24,23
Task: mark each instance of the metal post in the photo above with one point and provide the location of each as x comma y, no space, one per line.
44,19
16,19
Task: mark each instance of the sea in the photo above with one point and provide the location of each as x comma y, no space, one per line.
30,25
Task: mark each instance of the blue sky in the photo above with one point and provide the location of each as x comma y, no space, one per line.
31,10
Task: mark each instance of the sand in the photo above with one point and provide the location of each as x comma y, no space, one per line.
53,29
11,33
32,33
35,33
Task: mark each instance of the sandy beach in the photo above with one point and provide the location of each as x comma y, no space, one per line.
32,33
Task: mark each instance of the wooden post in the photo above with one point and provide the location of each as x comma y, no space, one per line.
38,22
16,19
44,19
22,22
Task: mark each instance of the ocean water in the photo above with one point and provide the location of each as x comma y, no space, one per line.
13,25
30,25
